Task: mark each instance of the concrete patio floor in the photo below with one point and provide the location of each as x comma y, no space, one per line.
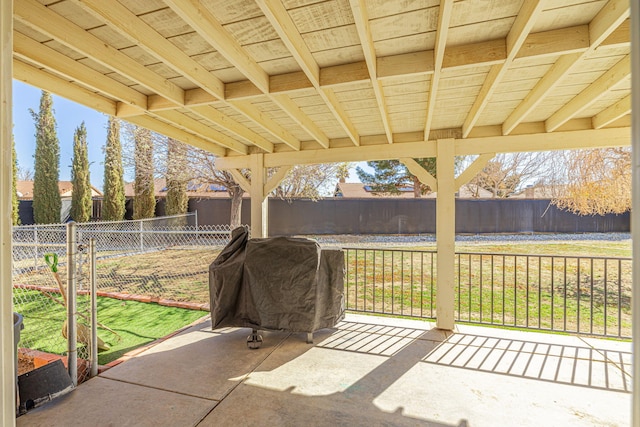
368,371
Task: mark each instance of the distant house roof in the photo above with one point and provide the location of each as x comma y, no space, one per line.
538,192
358,190
194,190
25,190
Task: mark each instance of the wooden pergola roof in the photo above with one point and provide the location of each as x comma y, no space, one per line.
327,80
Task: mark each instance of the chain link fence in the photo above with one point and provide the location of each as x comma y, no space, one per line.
162,260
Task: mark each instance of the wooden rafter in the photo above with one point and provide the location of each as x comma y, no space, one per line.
612,113
280,20
361,18
606,27
591,94
444,17
208,27
39,17
515,39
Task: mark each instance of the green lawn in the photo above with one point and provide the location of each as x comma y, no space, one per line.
135,323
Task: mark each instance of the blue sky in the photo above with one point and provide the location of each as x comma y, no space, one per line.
69,116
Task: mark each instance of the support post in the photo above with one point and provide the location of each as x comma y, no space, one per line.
445,234
7,361
259,201
72,342
635,209
93,279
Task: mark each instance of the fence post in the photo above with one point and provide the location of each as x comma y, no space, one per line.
141,237
72,351
94,307
35,248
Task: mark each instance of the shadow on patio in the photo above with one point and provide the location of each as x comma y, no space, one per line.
368,371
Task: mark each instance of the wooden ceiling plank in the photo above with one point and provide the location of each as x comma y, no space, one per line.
48,58
254,113
207,26
39,17
444,17
166,129
224,121
521,28
280,20
188,124
592,93
47,81
612,113
124,21
361,18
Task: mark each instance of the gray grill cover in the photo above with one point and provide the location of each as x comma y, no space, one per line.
279,283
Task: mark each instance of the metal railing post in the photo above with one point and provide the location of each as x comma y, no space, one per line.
72,351
141,238
94,307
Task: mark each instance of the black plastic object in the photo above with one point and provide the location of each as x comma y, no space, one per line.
280,283
43,384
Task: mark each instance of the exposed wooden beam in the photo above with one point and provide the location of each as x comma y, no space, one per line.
361,18
280,20
523,24
612,113
211,114
240,179
607,23
47,81
610,17
546,84
494,142
207,26
591,94
188,124
175,133
472,170
421,173
444,17
253,112
124,21
39,17
42,55
276,179
287,104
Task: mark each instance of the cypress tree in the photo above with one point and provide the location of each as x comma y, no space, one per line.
176,177
81,203
113,207
15,203
144,201
46,196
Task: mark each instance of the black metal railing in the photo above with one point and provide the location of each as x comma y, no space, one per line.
584,295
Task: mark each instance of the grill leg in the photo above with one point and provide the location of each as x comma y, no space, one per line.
254,341
309,337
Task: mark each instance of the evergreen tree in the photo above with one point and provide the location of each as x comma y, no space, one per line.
144,201
177,178
81,203
113,206
46,196
15,203
390,176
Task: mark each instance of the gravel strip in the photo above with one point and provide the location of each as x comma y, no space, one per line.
381,240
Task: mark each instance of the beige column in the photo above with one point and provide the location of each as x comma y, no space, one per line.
7,363
445,233
259,200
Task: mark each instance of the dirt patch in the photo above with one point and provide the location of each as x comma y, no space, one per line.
25,364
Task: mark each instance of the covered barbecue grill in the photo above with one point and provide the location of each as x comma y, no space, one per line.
281,284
